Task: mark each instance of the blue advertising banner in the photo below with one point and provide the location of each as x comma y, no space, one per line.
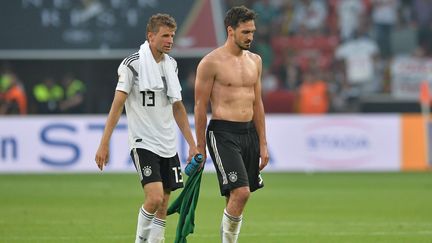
296,143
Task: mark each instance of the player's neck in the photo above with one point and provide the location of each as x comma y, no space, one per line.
157,55
233,49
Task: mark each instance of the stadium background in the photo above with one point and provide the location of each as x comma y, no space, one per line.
367,133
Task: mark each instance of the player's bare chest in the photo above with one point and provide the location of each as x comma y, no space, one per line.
238,74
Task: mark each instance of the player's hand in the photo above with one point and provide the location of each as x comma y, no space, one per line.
202,150
264,157
193,150
102,156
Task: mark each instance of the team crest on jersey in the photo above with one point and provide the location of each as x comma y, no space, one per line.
232,176
147,171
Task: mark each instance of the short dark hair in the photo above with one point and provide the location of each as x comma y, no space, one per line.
237,15
158,20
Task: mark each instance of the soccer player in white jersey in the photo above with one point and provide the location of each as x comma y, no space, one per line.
152,137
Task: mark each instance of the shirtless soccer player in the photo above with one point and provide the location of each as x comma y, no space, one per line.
230,78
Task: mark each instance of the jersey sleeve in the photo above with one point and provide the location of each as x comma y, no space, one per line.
174,62
125,79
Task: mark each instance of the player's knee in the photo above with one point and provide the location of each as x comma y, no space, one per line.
154,200
241,194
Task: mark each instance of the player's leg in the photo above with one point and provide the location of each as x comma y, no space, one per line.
251,159
233,180
170,172
147,165
237,199
153,200
144,224
154,197
233,214
157,233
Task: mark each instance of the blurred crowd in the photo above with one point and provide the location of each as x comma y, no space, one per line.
49,96
318,56
325,56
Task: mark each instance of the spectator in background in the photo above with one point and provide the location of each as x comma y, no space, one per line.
350,13
422,14
48,95
286,18
289,72
269,81
313,95
310,14
384,17
267,13
263,48
357,58
13,99
74,95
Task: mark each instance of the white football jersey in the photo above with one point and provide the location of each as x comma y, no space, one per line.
151,123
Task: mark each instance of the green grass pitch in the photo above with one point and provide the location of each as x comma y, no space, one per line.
293,207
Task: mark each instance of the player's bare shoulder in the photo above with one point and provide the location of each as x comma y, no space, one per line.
254,57
214,56
211,61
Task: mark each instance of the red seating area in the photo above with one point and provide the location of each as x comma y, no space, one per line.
318,49
279,101
307,52
321,43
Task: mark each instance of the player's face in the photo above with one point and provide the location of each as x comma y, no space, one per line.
163,40
243,34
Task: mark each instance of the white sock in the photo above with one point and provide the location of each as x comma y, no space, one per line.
144,225
230,228
157,233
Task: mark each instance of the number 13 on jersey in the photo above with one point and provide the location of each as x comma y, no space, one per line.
148,98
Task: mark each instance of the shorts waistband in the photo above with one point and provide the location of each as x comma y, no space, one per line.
231,126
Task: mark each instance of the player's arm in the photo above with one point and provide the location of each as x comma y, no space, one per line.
259,117
102,154
124,85
205,75
182,121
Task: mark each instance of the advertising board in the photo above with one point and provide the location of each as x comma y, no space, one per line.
295,143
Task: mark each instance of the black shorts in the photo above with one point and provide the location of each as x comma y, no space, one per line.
234,148
152,168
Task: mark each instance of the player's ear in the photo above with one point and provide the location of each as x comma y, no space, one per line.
230,30
150,36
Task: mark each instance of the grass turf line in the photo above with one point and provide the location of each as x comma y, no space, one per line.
292,207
